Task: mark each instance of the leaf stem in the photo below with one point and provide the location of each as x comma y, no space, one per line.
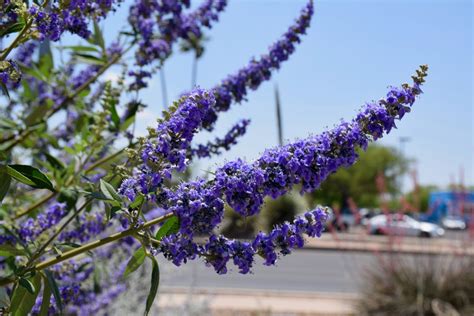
26,132
98,243
33,207
17,39
40,251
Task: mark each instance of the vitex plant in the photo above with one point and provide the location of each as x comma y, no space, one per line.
72,197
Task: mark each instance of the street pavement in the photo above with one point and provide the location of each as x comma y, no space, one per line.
305,270
308,282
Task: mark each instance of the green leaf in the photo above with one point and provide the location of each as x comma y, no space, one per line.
139,200
5,180
135,262
132,109
171,226
54,287
89,59
34,72
37,114
27,285
10,251
7,124
80,48
5,90
114,116
109,192
112,209
155,282
30,176
46,64
16,27
98,38
54,162
23,299
46,301
66,246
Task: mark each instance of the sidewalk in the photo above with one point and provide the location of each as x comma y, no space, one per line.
259,302
410,245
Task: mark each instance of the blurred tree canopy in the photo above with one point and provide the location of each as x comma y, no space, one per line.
359,181
420,196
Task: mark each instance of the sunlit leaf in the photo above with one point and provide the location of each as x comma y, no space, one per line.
108,191
46,300
54,288
30,176
24,297
5,180
10,251
171,226
16,27
135,262
155,282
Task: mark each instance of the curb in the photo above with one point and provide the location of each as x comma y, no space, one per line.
248,302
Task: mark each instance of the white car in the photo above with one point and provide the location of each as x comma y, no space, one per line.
403,225
453,222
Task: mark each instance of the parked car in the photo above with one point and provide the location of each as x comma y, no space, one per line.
453,222
339,222
402,225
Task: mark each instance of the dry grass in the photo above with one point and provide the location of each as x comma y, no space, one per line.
425,285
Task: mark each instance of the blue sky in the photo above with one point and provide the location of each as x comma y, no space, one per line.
352,52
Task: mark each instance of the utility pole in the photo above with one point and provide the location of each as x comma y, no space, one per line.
278,116
403,140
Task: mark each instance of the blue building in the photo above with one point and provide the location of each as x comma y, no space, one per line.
452,203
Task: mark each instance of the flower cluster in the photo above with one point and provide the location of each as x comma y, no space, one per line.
10,73
80,299
156,38
219,250
234,87
215,147
25,52
88,226
31,228
306,162
72,16
196,207
166,148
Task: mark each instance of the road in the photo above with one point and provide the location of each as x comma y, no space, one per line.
304,270
307,270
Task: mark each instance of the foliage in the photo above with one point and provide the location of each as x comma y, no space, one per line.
419,286
79,190
283,209
421,195
358,181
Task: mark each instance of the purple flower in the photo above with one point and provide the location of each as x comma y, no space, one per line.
306,162
167,148
238,130
234,87
10,74
31,228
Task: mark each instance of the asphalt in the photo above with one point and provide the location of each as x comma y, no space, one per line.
305,271
308,282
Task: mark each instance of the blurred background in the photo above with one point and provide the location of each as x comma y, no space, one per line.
399,241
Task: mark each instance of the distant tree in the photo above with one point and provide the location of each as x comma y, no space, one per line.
282,209
422,195
359,181
235,225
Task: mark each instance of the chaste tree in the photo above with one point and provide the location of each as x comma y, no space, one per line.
78,188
